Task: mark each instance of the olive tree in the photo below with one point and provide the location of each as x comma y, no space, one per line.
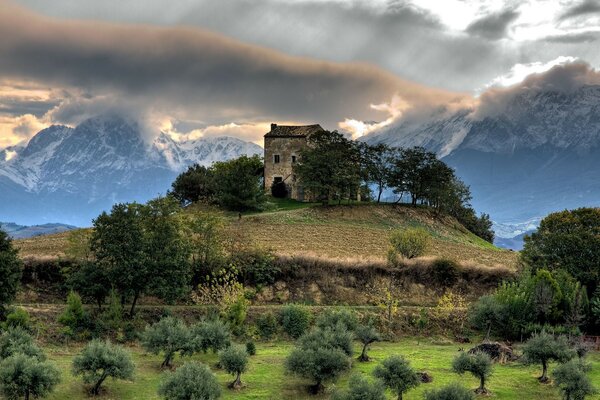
27,377
359,388
16,340
453,391
478,364
234,360
366,334
396,373
330,319
169,335
100,360
208,335
193,380
572,380
543,348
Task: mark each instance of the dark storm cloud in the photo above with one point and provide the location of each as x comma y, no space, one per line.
16,106
493,26
584,8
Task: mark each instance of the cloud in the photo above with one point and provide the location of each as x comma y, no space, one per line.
493,26
586,7
15,130
519,72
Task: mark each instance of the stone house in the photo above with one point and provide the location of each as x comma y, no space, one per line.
282,148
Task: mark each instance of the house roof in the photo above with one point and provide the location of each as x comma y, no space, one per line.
292,130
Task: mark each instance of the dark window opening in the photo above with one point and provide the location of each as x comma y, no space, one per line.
276,158
293,159
277,179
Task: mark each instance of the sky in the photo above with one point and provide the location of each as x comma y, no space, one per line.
212,67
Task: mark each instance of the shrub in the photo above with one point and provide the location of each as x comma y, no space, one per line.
267,325
409,243
91,281
169,335
234,360
295,320
478,364
572,380
111,319
485,314
319,364
396,373
251,348
16,340
235,314
209,335
359,388
543,348
366,334
24,376
331,319
191,381
74,318
18,317
257,266
10,271
99,360
453,391
445,272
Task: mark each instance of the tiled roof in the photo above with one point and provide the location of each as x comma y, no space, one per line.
292,131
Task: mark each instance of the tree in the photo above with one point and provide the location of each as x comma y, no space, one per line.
572,380
91,281
319,364
27,377
485,314
234,360
478,364
331,319
545,296
359,388
209,335
238,183
375,161
366,334
16,340
543,348
167,336
100,360
453,391
295,320
337,337
409,243
194,185
74,318
396,373
10,271
190,381
410,171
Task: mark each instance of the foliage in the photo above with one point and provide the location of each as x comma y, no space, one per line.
251,348
234,360
235,314
78,245
16,340
74,317
595,307
209,335
445,272
24,376
478,364
486,314
195,184
572,380
193,380
359,388
396,373
295,320
168,336
91,281
543,348
409,243
332,318
545,296
18,317
376,165
238,183
267,325
319,364
99,360
336,338
366,334
10,271
257,266
111,319
453,391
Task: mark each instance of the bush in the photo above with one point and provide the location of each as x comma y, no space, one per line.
572,380
74,318
191,381
169,335
295,320
209,335
279,190
100,360
319,364
234,360
24,376
267,325
336,338
91,281
331,319
18,317
396,373
359,388
251,348
409,243
10,271
235,314
445,272
366,334
257,266
453,391
543,348
16,340
478,364
485,314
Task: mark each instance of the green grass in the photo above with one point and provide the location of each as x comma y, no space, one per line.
266,378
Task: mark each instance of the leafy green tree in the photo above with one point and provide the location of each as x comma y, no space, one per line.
168,336
359,388
91,281
197,184
74,318
27,377
376,165
100,360
319,364
453,391
267,325
193,380
545,296
572,380
411,170
16,340
10,271
543,348
209,335
366,334
478,364
295,320
18,317
251,348
238,183
332,318
485,314
234,359
409,243
595,306
337,337
396,373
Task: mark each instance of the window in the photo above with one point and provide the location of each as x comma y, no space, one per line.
277,179
293,159
276,158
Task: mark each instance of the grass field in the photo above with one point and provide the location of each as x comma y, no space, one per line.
266,378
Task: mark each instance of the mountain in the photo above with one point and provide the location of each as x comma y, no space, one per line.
72,174
538,153
23,232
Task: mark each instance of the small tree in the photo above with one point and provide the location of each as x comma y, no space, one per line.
335,338
10,271
234,360
453,391
485,314
24,376
267,325
572,380
366,334
191,381
74,318
478,364
99,360
209,335
16,340
295,320
543,348
331,319
169,335
409,243
396,373
319,364
18,317
359,388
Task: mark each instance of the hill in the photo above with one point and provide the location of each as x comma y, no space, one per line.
21,232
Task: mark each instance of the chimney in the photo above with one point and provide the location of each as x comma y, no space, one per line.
273,126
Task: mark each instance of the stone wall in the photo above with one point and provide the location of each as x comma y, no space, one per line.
286,148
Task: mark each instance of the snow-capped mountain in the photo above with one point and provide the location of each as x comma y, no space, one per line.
72,174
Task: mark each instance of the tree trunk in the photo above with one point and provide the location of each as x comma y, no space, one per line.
400,396
487,336
132,309
167,361
379,195
237,383
363,355
544,377
27,394
482,385
96,388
